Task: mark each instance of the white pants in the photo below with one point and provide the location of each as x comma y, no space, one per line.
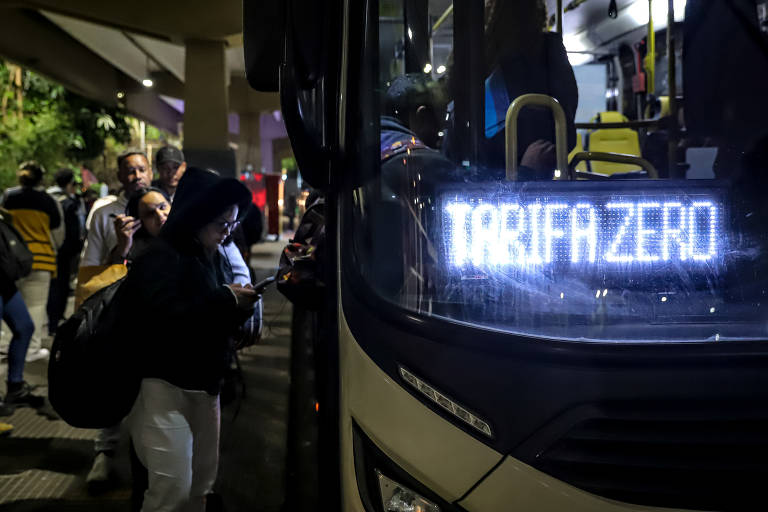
176,436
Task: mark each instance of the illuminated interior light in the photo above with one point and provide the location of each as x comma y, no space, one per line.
612,255
120,95
712,310
562,295
638,11
664,299
427,67
551,232
440,134
717,337
410,33
557,173
597,294
147,82
587,233
440,69
446,402
605,292
640,236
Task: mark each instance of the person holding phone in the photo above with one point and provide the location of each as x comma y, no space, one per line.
186,285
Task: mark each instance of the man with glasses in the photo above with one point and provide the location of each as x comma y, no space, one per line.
170,165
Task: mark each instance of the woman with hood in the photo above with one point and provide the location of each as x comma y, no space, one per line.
186,287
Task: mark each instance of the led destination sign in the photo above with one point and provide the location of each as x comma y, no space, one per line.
605,231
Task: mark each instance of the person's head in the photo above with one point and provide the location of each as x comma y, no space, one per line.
151,207
30,174
170,166
206,209
411,99
213,233
133,170
512,26
65,179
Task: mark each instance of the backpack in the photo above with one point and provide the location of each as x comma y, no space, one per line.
92,377
15,256
300,271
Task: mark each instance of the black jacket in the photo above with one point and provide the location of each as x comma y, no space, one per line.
184,315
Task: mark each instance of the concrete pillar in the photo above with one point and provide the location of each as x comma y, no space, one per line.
206,107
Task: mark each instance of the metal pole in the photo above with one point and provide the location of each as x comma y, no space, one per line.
560,17
672,87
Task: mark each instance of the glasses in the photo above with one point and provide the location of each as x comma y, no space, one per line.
223,225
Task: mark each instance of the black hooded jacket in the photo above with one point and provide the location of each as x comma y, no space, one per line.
185,316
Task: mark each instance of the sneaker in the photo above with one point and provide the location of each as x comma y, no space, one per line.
24,397
37,355
100,476
5,428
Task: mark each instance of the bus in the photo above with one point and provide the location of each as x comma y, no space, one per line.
546,247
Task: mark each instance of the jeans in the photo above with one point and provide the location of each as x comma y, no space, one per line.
176,436
15,314
34,290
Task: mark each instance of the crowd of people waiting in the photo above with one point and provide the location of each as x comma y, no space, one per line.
175,237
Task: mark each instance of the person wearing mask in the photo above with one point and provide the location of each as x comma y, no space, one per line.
187,286
36,216
65,193
134,173
170,166
105,219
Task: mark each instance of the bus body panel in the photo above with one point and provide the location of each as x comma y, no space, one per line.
517,486
429,448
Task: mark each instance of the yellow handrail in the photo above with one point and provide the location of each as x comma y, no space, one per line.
561,140
442,18
618,158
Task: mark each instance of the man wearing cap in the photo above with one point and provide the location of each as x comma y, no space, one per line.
170,165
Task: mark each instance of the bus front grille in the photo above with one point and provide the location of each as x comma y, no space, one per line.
706,464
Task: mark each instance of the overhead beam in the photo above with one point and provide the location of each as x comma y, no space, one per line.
50,51
172,20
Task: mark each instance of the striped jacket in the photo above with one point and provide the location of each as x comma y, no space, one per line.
35,216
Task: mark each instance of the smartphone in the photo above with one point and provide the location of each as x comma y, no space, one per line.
261,285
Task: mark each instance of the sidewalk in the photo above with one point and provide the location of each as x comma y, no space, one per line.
43,463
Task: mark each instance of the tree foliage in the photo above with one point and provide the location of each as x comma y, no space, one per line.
42,121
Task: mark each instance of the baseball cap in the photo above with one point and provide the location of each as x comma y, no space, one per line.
169,154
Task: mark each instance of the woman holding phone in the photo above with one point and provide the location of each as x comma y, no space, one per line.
193,308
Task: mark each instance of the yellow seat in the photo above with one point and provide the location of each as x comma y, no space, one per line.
613,140
581,166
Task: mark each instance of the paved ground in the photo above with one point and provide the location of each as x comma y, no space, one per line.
43,462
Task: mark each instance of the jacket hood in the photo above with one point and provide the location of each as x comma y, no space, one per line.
201,196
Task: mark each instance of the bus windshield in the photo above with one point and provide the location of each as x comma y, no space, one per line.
594,175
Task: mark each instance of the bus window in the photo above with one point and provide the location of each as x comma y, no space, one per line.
561,252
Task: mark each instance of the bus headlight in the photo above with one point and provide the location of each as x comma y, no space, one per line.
398,498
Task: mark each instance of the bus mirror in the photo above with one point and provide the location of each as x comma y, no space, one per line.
286,48
263,36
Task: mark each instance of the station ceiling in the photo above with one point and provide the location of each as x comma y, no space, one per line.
100,49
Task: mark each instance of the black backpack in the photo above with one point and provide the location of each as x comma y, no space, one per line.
15,256
92,376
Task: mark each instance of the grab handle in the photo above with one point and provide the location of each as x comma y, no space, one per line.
510,125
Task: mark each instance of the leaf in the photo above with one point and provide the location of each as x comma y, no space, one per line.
105,122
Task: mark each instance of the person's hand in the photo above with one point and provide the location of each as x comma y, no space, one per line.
540,156
125,227
246,296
